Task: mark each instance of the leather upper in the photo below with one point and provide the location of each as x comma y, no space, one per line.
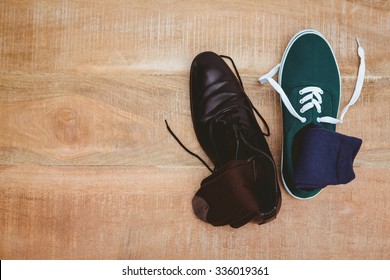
228,132
217,101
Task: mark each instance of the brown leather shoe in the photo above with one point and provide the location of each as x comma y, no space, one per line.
244,184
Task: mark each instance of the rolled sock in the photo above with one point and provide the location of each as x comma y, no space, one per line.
227,196
325,158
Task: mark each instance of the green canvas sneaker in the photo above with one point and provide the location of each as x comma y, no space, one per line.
309,86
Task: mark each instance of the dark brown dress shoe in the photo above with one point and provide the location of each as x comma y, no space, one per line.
243,185
228,132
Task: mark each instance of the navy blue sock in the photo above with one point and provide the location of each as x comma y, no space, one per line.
325,158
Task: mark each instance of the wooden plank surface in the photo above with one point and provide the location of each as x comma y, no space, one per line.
88,170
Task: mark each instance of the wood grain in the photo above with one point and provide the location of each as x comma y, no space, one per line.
88,170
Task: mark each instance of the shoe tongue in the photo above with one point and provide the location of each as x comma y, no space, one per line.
228,135
325,158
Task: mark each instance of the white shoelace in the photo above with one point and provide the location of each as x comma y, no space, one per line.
312,95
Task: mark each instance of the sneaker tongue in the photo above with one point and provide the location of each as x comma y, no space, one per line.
325,158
